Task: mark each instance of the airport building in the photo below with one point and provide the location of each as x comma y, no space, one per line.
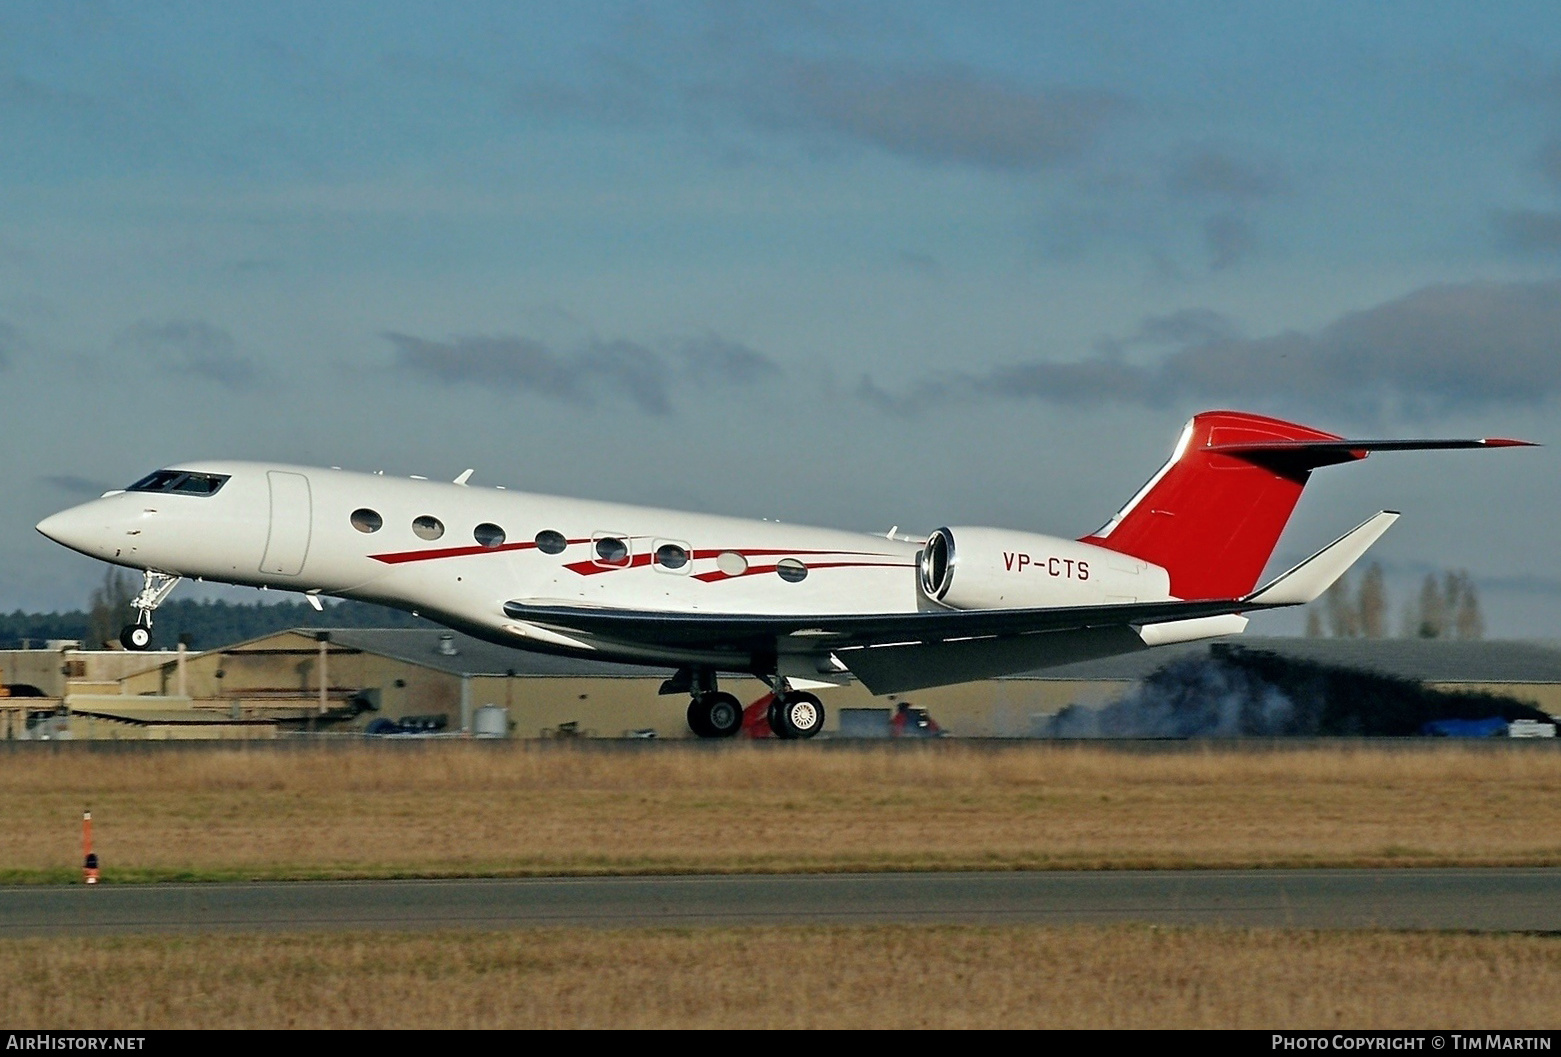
437,683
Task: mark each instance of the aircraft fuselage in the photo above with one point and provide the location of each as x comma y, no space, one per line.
458,553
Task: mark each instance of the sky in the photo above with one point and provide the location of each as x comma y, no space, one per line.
857,265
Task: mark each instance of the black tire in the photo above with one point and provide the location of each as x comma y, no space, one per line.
798,715
135,637
699,720
777,721
723,714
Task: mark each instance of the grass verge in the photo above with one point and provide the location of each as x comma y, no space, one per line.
843,977
519,810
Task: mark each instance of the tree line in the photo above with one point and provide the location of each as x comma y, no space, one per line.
1447,607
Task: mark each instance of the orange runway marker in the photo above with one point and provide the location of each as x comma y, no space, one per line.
89,863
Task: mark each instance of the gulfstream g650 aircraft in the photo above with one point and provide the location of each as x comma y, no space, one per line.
799,607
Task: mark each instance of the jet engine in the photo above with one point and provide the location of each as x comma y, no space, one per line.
987,568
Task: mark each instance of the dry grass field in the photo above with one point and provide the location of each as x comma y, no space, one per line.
366,810
889,977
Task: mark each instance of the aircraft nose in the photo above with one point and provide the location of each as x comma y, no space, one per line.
71,528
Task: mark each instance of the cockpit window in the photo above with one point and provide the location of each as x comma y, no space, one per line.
180,482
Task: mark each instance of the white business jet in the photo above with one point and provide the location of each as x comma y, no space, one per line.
802,608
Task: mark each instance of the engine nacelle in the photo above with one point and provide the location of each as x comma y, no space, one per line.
987,568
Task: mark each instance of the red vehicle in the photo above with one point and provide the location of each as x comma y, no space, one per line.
909,721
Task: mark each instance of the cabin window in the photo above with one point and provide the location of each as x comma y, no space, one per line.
550,542
791,570
366,520
428,528
488,534
180,482
672,556
731,563
612,551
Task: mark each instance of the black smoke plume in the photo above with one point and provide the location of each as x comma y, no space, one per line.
1237,692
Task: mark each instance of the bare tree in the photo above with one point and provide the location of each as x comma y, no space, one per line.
109,607
1468,621
1343,616
1314,624
1433,609
1408,621
1452,593
1373,604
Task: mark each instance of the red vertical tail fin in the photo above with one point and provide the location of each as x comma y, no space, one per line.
1214,513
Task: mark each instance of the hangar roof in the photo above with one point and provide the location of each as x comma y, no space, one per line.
1427,660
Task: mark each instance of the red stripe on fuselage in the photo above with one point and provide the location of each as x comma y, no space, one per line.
592,566
401,557
754,570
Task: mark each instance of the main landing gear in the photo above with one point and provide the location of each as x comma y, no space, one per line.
796,714
154,589
792,714
715,715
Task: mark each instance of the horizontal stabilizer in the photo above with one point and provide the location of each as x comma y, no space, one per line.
1307,581
1297,456
1344,445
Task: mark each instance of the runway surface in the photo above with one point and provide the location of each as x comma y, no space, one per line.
1464,899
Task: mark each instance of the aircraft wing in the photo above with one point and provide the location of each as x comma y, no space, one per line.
893,652
760,633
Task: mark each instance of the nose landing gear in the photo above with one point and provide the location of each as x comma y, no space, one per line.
155,588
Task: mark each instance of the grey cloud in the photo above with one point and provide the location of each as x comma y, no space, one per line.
1209,173
623,92
947,114
1187,326
921,263
874,395
623,369
718,359
11,342
1228,237
17,90
508,363
1439,347
935,112
1548,160
195,347
1527,230
639,375
74,485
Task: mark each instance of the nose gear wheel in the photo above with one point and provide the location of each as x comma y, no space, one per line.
155,587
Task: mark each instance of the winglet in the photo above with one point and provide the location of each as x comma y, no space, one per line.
1307,581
